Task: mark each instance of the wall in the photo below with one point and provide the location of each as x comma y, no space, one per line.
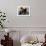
36,22
38,13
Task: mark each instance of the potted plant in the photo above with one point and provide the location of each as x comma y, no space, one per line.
2,19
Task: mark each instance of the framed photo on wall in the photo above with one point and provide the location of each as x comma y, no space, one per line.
23,11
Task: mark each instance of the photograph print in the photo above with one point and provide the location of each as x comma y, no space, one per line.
23,11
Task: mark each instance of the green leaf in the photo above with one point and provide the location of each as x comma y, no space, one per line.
1,16
0,12
4,16
0,21
4,13
3,19
2,26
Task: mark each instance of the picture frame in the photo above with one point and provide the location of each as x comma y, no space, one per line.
23,10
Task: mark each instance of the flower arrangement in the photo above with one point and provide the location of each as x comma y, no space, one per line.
2,19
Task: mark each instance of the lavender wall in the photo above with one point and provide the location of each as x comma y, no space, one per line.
38,13
36,22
